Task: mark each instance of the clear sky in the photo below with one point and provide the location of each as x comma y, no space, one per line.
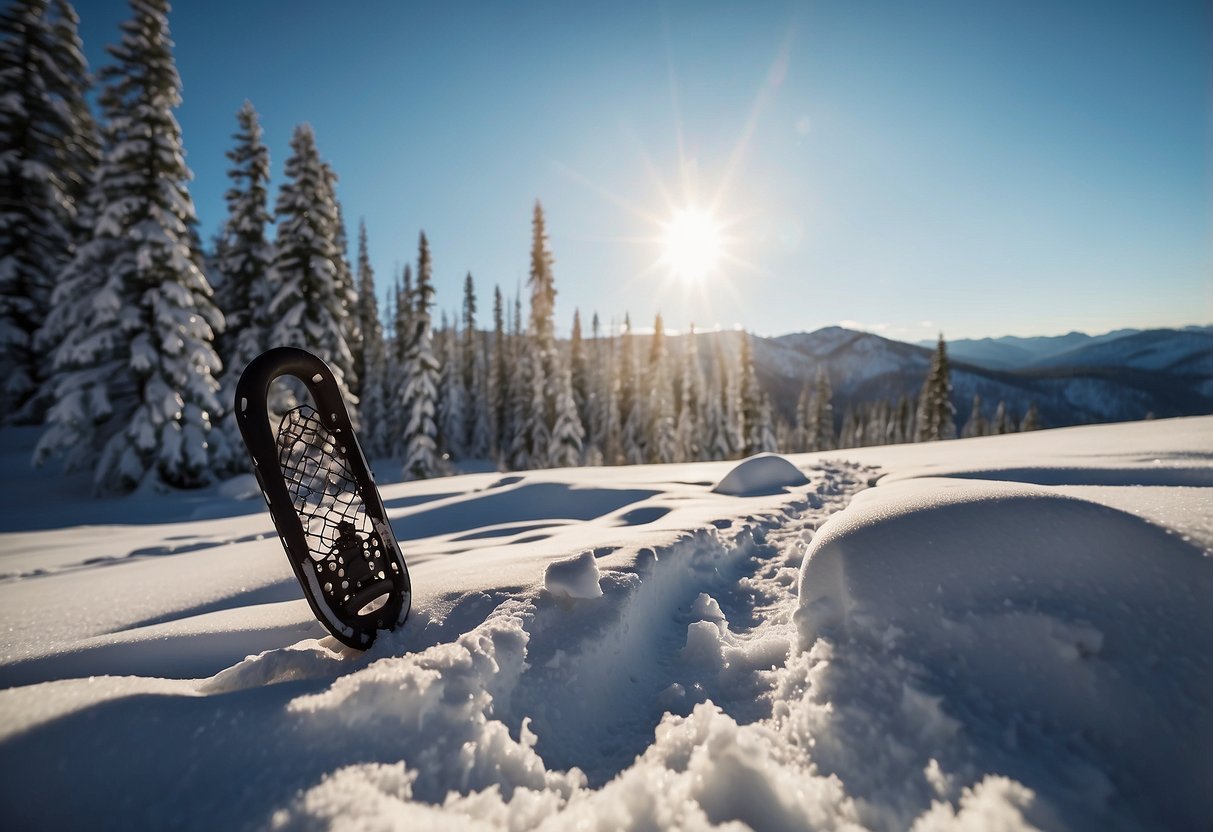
977,168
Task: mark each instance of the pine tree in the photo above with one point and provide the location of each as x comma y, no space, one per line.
371,361
976,424
631,407
716,444
690,413
662,439
452,400
538,436
935,409
134,382
480,438
765,433
419,396
475,380
517,449
903,421
347,293
1001,422
470,346
595,389
579,371
48,158
242,260
822,423
804,416
1031,419
751,400
543,305
498,393
309,307
568,435
609,426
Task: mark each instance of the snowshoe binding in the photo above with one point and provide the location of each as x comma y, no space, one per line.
323,499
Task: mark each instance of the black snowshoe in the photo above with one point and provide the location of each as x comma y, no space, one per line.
323,499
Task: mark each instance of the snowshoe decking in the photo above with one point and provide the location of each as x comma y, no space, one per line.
323,499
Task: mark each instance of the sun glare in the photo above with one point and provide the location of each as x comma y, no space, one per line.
691,244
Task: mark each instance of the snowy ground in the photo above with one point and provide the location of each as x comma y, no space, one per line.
1004,632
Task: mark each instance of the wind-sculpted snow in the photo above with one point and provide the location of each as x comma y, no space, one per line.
937,652
1063,643
759,475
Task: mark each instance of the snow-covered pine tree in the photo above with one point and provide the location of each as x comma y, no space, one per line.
936,413
609,426
579,371
823,412
347,291
402,328
662,438
631,401
480,430
1004,420
83,142
517,436
242,259
134,380
594,390
419,395
800,430
690,414
470,346
309,307
976,423
371,361
1031,419
538,435
48,158
568,435
766,428
751,400
542,325
903,420
405,313
452,397
716,431
498,393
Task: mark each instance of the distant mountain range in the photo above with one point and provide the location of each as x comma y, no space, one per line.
1155,349
1072,379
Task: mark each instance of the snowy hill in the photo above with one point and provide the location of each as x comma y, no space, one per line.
1073,379
1011,352
1120,348
1005,632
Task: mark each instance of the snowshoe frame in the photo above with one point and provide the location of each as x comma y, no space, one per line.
322,497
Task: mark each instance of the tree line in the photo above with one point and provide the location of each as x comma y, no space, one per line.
124,336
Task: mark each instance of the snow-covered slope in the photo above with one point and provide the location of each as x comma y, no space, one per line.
1011,352
1007,631
1072,379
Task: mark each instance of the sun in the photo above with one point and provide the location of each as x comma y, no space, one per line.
692,244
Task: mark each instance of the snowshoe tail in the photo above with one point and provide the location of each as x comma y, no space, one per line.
323,499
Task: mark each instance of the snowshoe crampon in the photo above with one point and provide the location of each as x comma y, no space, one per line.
323,499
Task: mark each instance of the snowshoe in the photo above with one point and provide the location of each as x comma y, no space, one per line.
323,499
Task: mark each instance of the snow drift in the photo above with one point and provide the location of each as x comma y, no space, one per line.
1062,643
760,475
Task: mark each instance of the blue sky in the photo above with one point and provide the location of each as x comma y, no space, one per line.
977,168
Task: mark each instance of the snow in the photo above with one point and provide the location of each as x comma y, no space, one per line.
575,577
760,474
1006,632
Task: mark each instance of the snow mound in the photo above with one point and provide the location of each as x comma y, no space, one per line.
575,577
760,475
1060,642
